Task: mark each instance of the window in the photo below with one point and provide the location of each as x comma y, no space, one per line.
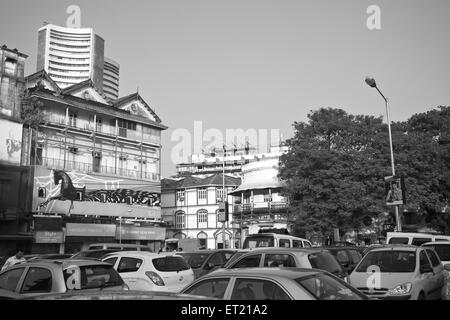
324,287
37,280
180,195
296,243
258,242
42,193
213,288
73,119
267,198
220,194
279,260
355,255
170,264
195,259
129,265
433,258
202,216
202,193
248,262
180,220
398,240
443,251
423,260
389,261
96,276
419,241
217,259
111,261
284,243
306,244
324,261
10,279
256,289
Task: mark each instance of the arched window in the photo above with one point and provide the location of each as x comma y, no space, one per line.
180,220
203,237
202,216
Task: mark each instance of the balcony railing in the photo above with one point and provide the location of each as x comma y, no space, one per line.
261,207
54,163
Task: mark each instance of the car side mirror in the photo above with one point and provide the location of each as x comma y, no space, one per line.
425,269
447,267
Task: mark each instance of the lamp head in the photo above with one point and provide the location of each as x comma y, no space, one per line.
371,81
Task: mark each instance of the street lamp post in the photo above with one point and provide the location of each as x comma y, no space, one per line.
371,82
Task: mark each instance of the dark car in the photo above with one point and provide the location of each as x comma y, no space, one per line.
348,257
204,261
93,254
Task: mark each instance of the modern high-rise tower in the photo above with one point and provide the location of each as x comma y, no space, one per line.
111,79
71,55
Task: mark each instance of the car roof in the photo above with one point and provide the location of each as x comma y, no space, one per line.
291,273
341,247
142,254
275,234
64,263
294,250
209,251
130,245
407,247
435,242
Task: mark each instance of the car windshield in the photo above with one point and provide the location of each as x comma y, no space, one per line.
324,287
258,242
195,259
443,251
324,261
91,277
389,261
170,264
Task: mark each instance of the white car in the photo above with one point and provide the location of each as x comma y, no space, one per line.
442,248
151,271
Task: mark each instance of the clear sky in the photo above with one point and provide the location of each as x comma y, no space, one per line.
256,63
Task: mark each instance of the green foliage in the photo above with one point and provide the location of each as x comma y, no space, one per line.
31,113
336,164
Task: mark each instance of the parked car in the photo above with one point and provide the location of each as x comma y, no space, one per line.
57,276
290,257
119,246
274,240
414,238
151,271
442,248
93,253
204,261
273,284
348,257
47,256
399,272
239,253
118,295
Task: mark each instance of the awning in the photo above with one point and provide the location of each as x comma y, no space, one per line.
256,186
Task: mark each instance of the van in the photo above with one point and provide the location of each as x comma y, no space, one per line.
274,240
119,246
413,238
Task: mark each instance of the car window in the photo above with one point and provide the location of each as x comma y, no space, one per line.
170,264
284,243
324,261
9,279
355,255
438,239
213,288
279,260
129,264
37,280
258,241
251,261
324,287
217,259
146,249
297,244
342,257
397,240
227,256
111,261
95,247
420,241
257,289
91,277
433,258
423,260
195,259
443,251
306,244
389,261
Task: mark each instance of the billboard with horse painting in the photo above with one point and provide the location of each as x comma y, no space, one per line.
10,142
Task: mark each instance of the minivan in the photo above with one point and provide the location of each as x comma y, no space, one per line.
119,246
262,240
413,238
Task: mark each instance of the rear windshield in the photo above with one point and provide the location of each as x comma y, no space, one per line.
443,251
91,277
258,242
195,260
324,261
170,263
389,261
397,240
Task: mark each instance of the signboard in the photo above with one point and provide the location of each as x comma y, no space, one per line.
49,237
90,230
10,142
394,191
140,233
222,213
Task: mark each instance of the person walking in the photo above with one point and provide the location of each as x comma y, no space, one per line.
15,259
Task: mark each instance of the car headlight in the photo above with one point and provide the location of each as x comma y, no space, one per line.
401,289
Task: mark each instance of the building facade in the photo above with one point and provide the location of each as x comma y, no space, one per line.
258,202
190,207
96,167
111,71
71,55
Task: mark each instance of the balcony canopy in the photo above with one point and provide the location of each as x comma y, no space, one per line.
257,185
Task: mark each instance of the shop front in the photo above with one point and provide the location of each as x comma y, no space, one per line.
80,235
149,236
48,242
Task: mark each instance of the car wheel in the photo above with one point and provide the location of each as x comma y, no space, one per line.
421,296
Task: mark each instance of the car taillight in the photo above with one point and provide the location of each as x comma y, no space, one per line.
155,278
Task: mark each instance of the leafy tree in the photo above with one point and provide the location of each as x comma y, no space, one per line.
32,116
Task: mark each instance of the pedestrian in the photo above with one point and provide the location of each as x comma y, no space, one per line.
15,259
